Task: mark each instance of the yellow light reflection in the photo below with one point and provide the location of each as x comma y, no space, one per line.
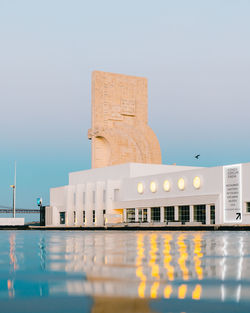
196,295
154,266
139,268
182,291
167,291
197,256
152,253
168,257
183,256
154,289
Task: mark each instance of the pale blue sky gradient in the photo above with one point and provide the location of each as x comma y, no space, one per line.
195,54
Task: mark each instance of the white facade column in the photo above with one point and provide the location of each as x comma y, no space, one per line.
88,205
176,213
208,209
191,213
149,215
124,215
162,214
219,211
136,215
99,219
79,204
69,206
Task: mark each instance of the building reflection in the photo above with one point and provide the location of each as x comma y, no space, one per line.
167,265
142,265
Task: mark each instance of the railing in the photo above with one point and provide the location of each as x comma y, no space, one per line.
8,209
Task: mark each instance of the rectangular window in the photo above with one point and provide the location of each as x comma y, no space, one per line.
212,214
83,217
93,216
130,215
103,212
155,214
184,215
140,215
74,216
200,213
248,207
62,217
116,194
145,215
169,214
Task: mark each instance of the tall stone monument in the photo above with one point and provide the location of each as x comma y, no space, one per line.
120,131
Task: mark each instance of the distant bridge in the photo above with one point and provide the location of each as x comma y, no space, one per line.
8,209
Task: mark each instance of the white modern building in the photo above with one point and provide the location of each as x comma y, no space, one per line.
150,194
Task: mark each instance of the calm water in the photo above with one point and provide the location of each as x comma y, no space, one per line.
105,272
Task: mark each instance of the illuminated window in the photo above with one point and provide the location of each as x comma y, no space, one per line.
140,188
130,215
197,182
153,186
166,185
181,184
184,215
169,214
155,214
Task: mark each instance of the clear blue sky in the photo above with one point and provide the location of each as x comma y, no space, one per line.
195,54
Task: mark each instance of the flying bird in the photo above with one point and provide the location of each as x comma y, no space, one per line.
197,156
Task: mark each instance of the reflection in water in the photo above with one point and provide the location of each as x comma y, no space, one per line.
197,256
167,256
183,266
183,256
139,269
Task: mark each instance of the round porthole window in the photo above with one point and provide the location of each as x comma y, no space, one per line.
197,182
181,184
166,185
153,186
140,188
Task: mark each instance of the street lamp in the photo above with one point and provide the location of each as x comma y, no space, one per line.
14,194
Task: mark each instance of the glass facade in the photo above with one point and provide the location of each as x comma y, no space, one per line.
130,215
168,213
140,215
248,207
184,215
212,214
200,213
62,217
155,214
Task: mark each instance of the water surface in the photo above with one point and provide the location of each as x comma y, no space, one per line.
124,271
